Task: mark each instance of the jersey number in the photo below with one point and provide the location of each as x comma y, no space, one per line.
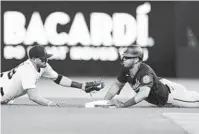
11,73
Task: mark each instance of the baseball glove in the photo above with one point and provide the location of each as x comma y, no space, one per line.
93,86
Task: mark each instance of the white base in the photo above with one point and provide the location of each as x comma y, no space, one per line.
99,103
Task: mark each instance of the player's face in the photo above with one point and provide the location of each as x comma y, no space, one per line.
41,62
129,62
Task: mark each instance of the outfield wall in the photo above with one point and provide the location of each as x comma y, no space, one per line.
86,38
187,39
107,28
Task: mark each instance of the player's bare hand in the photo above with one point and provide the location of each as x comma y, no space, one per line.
117,103
57,104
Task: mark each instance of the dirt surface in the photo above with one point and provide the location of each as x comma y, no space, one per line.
25,117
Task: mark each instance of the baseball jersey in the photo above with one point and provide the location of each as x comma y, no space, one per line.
25,76
145,76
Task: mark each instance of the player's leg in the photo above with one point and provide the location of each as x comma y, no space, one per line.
188,99
180,96
173,85
1,87
1,97
4,86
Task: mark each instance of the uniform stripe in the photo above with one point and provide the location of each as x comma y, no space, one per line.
188,121
2,93
58,79
185,100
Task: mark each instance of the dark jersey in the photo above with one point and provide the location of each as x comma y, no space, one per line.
145,76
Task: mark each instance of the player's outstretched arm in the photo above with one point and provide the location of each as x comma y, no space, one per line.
35,97
67,82
87,87
114,89
141,95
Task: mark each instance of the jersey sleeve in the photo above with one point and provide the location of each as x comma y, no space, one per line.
49,72
122,76
28,78
146,80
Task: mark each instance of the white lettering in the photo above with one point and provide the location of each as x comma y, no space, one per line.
146,54
58,53
142,24
35,31
101,28
79,32
14,27
17,52
120,29
51,28
124,29
89,53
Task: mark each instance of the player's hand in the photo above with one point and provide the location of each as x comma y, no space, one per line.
93,86
57,104
118,104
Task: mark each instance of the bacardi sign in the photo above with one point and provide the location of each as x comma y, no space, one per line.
104,30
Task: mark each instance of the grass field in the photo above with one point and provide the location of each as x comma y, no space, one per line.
25,117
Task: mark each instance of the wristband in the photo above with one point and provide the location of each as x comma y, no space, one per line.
84,86
49,103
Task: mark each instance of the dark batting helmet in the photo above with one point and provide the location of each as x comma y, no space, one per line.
133,51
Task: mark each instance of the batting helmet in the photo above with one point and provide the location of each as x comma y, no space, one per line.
133,51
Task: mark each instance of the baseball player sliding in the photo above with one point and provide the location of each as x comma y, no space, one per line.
22,79
147,85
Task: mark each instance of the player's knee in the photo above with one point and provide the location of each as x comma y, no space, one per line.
4,102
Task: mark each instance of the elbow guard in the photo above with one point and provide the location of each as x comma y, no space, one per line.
58,79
